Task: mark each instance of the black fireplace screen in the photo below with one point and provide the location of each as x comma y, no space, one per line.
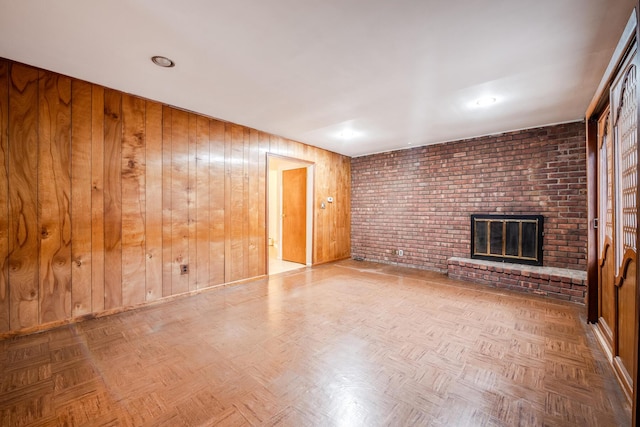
507,238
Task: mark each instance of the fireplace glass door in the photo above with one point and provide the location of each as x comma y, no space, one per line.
507,238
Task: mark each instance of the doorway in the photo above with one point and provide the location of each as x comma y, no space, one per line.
290,213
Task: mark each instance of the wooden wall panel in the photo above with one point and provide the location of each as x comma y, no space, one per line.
329,220
321,235
4,196
333,175
23,187
167,260
263,149
112,199
275,145
235,194
153,200
326,219
253,204
203,204
227,201
217,183
133,200
343,212
179,200
54,195
81,198
97,199
290,148
127,191
246,209
192,254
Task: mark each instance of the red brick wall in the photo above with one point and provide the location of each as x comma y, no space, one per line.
420,200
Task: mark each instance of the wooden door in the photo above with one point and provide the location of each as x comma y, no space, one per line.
617,210
624,118
606,272
294,215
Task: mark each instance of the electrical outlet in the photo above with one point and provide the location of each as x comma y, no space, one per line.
184,268
400,252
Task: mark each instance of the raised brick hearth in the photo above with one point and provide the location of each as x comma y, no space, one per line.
559,283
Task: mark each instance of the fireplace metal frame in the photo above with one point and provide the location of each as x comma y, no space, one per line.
487,253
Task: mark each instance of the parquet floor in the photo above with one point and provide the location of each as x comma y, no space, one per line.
343,344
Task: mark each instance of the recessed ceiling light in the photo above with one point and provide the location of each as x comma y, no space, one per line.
163,61
483,102
347,134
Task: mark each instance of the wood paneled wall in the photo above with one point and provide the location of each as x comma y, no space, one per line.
105,195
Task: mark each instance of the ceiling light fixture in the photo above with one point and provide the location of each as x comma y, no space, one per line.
347,134
484,102
163,61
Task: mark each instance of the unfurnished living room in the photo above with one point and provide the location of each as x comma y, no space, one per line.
336,213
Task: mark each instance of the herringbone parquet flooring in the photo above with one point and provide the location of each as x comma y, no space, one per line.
344,344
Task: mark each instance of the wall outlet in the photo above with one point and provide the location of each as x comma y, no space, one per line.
400,252
184,268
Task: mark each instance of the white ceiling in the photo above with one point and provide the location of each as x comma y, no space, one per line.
393,73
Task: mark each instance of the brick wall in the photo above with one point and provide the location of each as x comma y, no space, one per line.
420,200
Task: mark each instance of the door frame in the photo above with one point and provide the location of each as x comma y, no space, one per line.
310,230
595,109
598,103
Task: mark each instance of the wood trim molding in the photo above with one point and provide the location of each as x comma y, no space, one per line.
592,213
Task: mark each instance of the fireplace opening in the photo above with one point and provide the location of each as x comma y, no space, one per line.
507,238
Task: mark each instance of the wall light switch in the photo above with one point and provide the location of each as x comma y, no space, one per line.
330,199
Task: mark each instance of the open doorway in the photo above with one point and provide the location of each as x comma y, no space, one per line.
290,213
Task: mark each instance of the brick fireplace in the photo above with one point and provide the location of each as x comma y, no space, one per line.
420,200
